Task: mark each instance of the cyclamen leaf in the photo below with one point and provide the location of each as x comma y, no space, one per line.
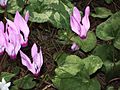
74,73
101,12
108,1
7,76
25,82
109,30
87,44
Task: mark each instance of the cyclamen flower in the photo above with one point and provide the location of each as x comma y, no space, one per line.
2,38
3,3
4,85
21,24
79,26
37,63
12,36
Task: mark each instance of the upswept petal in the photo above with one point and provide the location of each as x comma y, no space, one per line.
17,46
75,26
34,50
2,38
76,14
21,24
27,15
26,62
12,26
85,19
1,26
41,57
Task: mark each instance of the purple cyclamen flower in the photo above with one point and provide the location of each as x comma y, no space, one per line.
79,26
12,36
2,38
37,63
3,3
21,24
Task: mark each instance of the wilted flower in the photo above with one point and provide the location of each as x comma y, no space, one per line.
37,63
79,26
4,85
74,47
3,3
21,24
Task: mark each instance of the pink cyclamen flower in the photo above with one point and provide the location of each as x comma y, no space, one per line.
21,24
2,38
12,36
79,26
37,63
3,3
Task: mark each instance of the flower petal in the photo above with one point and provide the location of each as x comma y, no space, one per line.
3,81
8,84
41,57
11,25
34,50
1,26
85,19
75,26
21,24
26,62
38,61
76,14
83,32
2,38
27,15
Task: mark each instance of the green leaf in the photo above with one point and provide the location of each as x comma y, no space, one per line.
92,64
54,11
86,44
40,17
110,30
108,1
71,66
7,76
101,12
25,82
111,60
76,83
74,73
13,6
14,88
60,58
110,88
